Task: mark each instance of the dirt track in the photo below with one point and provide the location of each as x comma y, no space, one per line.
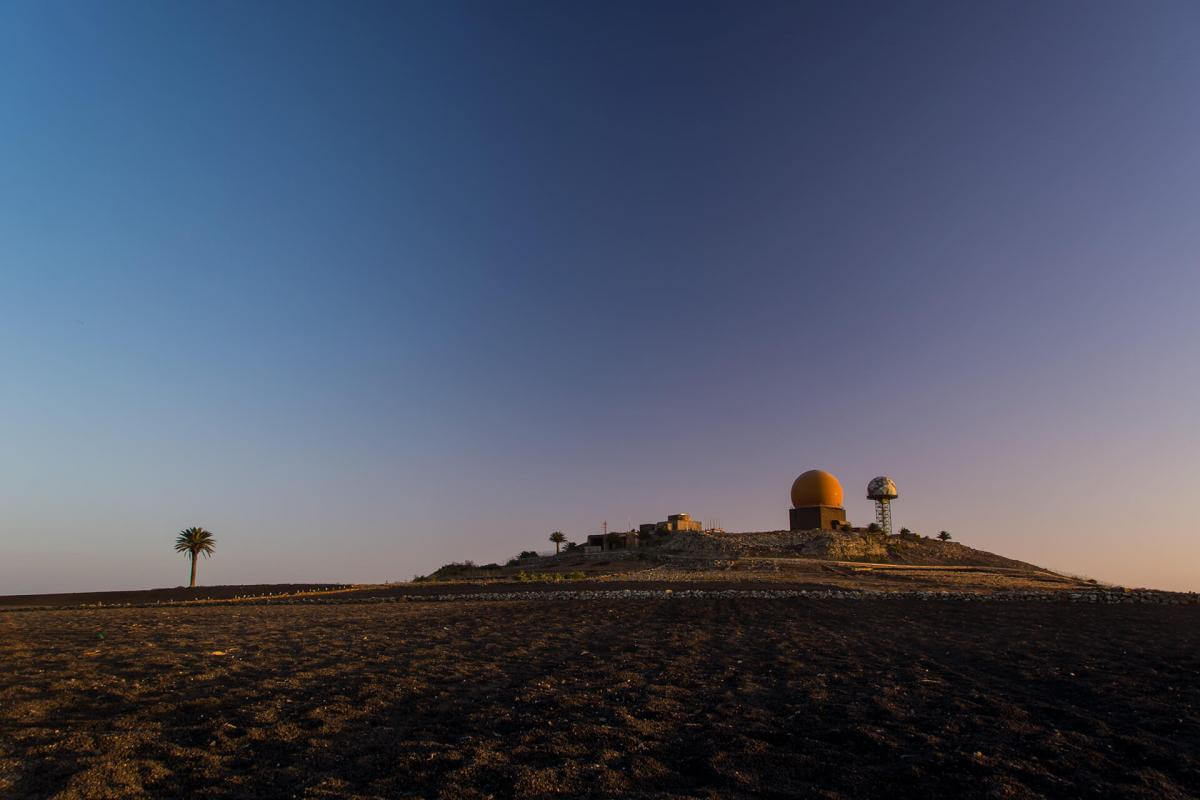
708,698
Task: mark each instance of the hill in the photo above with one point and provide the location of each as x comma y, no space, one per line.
843,560
856,545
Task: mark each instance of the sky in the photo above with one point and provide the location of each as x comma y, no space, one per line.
366,288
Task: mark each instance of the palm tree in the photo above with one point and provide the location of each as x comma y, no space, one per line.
944,536
193,542
558,538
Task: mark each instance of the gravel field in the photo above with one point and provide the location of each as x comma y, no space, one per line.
630,696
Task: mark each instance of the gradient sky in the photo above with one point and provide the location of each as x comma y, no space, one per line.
365,288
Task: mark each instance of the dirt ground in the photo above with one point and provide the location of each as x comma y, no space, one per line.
651,699
171,595
743,574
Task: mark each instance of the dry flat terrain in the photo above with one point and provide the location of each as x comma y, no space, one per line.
697,697
739,574
173,595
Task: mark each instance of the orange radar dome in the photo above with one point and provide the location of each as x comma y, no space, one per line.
816,488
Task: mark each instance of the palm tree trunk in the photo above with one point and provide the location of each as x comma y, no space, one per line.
556,548
193,583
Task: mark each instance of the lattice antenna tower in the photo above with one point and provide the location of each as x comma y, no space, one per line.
883,491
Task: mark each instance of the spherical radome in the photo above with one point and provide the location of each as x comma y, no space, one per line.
882,488
816,488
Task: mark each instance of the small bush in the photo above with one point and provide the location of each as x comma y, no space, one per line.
905,532
874,527
549,577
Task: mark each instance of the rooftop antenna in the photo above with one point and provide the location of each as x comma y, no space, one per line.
883,491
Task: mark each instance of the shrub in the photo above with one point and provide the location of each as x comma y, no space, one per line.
905,532
874,527
528,554
549,577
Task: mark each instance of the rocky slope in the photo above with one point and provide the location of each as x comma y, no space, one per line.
833,546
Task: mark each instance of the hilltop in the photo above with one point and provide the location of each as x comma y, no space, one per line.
851,560
853,545
855,560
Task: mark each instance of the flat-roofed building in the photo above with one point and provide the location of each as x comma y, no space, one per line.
673,522
613,540
681,522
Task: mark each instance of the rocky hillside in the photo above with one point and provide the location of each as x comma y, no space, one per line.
834,546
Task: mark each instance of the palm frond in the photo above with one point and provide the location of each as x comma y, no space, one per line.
195,541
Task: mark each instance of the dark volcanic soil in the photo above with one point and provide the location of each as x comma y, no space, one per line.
670,698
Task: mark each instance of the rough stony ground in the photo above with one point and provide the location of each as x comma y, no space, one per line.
868,577
772,573
856,545
706,697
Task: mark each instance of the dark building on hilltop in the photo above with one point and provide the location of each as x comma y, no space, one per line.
613,540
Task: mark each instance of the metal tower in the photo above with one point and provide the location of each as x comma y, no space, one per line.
883,491
883,514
